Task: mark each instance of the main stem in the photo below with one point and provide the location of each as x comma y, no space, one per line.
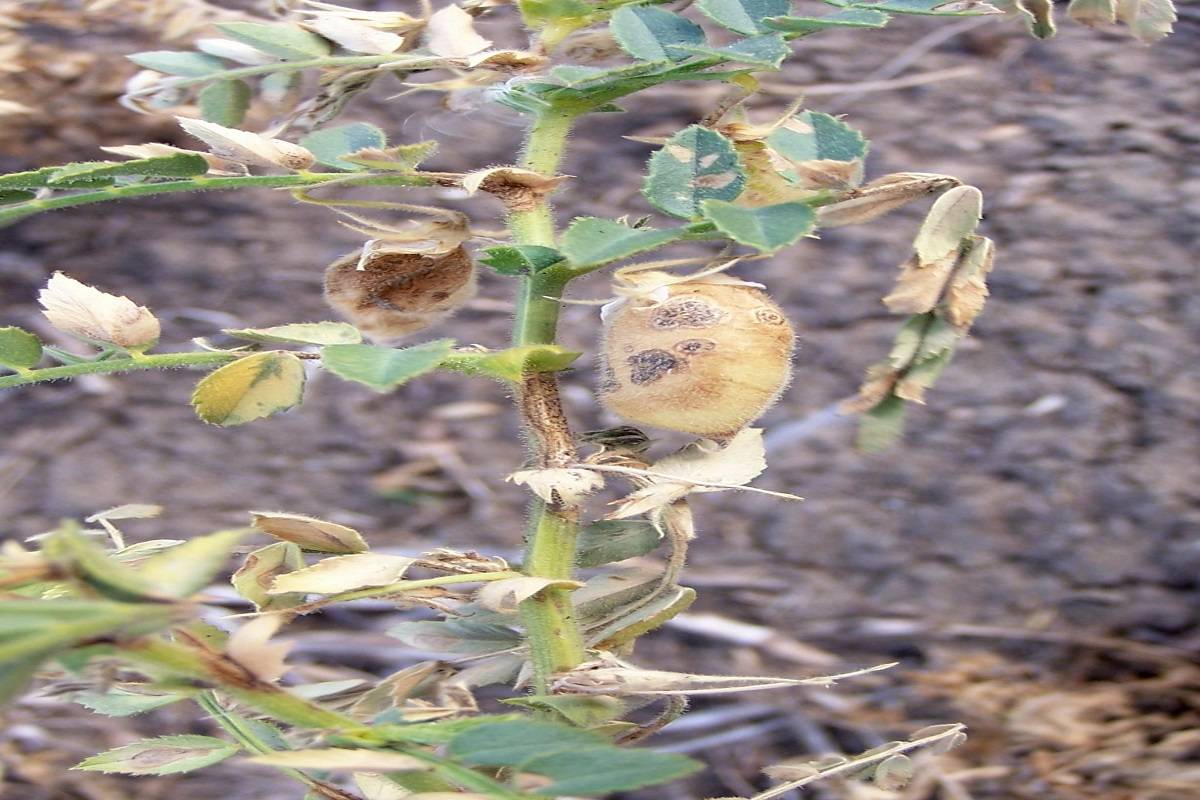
552,632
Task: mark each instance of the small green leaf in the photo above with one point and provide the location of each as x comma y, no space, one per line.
642,619
19,348
921,7
520,259
260,569
694,165
94,566
846,18
882,426
225,102
514,363
580,762
814,136
330,144
176,62
579,710
766,228
603,770
15,675
590,241
15,196
37,178
384,368
766,51
123,703
301,333
649,33
185,569
177,165
165,755
250,388
279,39
743,16
37,629
506,744
615,540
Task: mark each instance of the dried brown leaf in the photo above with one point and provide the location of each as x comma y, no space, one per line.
81,310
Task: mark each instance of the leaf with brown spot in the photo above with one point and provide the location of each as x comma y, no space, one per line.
165,755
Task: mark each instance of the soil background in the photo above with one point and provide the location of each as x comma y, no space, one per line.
1030,554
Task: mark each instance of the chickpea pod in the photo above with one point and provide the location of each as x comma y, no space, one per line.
397,293
705,356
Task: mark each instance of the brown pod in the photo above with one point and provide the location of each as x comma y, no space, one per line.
397,293
708,359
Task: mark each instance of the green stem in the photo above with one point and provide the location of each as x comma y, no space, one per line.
552,633
17,211
161,361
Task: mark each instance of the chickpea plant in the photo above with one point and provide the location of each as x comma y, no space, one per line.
687,344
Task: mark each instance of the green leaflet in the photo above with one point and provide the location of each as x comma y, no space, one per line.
301,333
649,33
815,136
225,102
766,228
520,259
384,368
19,348
694,165
768,51
330,144
165,755
591,241
279,39
846,18
177,165
581,763
743,16
175,62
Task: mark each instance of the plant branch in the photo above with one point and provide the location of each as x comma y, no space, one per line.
553,634
109,366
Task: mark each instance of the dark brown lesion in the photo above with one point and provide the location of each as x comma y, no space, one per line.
650,365
690,347
686,313
769,316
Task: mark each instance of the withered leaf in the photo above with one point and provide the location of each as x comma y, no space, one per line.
881,196
506,595
968,291
953,218
343,574
83,311
450,32
920,284
309,532
250,647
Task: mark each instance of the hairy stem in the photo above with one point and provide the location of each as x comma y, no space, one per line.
554,638
109,366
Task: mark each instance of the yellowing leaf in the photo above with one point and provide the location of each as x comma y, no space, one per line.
343,574
340,758
250,647
250,388
245,147
80,310
309,532
451,33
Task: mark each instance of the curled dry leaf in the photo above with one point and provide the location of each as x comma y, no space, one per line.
127,511
507,59
355,36
703,466
559,486
250,647
519,189
343,574
245,147
881,196
968,291
309,532
505,596
920,284
80,310
450,33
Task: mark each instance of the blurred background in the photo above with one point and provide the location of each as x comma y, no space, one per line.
1029,555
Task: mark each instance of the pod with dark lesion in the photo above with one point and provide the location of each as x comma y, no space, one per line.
389,292
705,356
